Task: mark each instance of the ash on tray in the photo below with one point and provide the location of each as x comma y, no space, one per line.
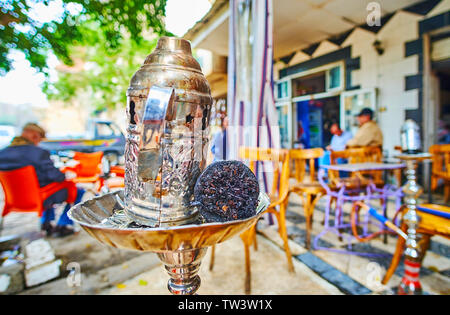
226,191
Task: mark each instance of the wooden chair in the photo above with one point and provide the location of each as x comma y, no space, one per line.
310,189
429,226
374,154
357,155
441,168
278,197
398,173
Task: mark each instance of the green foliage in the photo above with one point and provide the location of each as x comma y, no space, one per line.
109,38
21,30
105,76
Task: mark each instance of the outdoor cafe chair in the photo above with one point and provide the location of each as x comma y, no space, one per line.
357,182
88,169
278,197
309,190
23,194
434,220
114,179
356,155
440,170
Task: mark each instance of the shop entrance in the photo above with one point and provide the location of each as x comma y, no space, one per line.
314,118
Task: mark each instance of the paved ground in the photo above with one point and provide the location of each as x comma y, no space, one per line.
107,270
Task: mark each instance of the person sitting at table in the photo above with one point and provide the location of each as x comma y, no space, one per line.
24,151
339,139
338,143
368,134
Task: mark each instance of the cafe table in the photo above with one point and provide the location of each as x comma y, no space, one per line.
366,192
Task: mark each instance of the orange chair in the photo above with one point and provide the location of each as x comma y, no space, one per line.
88,169
23,194
117,170
118,180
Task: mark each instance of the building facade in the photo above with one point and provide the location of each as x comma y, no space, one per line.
399,67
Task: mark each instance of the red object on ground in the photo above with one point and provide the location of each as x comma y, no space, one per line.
23,194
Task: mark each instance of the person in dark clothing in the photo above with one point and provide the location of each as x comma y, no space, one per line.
24,151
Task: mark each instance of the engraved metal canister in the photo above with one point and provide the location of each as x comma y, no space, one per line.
168,108
410,137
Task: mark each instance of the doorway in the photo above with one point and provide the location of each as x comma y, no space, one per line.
314,119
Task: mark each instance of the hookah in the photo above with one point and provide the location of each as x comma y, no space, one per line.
412,155
168,109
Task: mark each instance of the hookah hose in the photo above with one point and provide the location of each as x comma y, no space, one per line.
353,215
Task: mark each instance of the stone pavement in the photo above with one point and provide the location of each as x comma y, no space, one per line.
107,270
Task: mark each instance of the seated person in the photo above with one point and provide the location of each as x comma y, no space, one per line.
219,146
24,151
338,143
368,134
339,139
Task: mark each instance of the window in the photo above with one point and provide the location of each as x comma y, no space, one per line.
352,102
334,78
283,122
310,84
107,131
282,89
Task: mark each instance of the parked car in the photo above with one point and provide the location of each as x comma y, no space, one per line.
101,135
7,133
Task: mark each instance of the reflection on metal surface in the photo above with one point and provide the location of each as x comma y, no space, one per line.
152,130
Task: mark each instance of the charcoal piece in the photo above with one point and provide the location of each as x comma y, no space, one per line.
226,191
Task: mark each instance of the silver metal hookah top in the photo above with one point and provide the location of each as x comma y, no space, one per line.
410,137
169,103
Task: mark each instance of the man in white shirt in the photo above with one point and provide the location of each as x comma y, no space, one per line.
339,139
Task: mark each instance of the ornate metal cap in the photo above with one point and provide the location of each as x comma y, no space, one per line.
171,64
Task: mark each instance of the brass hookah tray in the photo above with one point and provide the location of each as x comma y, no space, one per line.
104,218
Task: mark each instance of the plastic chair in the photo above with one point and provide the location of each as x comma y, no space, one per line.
88,170
23,194
441,168
115,178
429,225
309,190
